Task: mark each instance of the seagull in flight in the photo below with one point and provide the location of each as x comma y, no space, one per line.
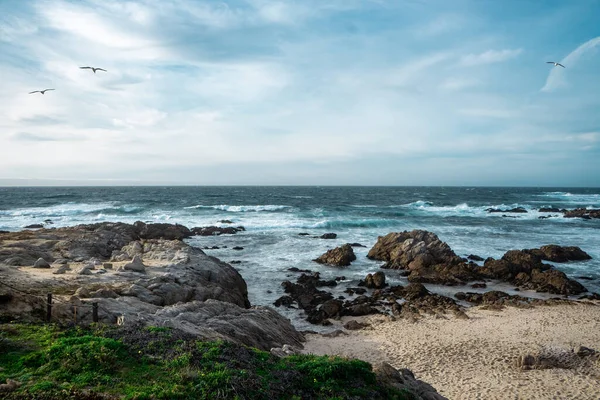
555,64
93,69
40,91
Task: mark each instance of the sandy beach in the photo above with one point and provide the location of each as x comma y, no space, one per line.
475,358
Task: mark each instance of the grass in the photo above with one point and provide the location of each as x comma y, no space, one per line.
101,362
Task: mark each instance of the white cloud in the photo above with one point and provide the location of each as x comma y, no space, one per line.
488,112
441,25
454,84
490,57
193,85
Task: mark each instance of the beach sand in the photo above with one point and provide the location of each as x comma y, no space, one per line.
475,358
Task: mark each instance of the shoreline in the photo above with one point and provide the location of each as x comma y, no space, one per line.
475,358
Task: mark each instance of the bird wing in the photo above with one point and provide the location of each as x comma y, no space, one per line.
45,90
35,91
85,67
101,69
550,62
560,65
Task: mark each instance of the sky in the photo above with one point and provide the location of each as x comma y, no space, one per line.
312,92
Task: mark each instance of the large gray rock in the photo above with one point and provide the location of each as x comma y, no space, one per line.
182,284
136,265
340,256
41,263
428,259
420,247
525,269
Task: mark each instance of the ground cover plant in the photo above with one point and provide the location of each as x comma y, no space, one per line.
100,362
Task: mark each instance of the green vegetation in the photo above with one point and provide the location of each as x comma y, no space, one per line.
98,362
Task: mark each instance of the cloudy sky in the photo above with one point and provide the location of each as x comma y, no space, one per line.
326,92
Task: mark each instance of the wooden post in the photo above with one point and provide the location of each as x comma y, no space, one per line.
95,312
49,307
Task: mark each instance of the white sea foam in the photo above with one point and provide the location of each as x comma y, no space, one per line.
242,208
590,199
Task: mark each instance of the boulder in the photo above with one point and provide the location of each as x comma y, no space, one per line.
41,263
354,325
375,281
136,265
525,269
62,269
422,248
560,254
216,230
584,213
328,236
162,231
509,210
340,256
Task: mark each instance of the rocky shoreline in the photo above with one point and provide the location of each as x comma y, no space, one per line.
146,275
424,258
140,273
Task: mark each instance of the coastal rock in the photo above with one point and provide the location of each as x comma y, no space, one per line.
340,256
216,230
510,210
181,286
583,213
41,263
551,209
328,236
525,269
162,231
136,265
375,281
62,269
475,257
34,226
354,325
420,248
561,254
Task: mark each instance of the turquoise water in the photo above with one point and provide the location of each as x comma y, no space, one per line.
273,217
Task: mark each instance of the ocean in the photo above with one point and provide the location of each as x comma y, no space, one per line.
274,217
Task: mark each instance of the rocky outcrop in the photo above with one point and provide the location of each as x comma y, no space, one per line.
136,265
41,263
81,242
585,213
412,250
162,231
560,254
519,210
328,236
525,269
216,230
374,281
306,295
428,259
144,280
340,256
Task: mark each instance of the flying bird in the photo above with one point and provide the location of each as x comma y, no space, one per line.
40,91
555,64
93,69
